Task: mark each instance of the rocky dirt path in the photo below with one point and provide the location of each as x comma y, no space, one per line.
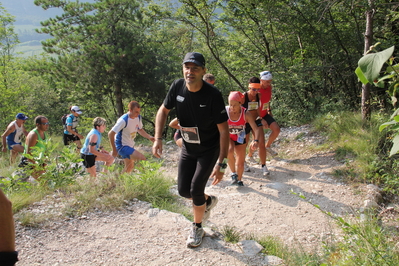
141,235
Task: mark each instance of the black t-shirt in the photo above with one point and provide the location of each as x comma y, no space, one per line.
198,113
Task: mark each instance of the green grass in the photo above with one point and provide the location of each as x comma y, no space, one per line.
356,143
107,192
300,136
30,219
231,234
364,243
347,131
290,255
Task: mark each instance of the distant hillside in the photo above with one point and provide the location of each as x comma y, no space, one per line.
26,13
27,18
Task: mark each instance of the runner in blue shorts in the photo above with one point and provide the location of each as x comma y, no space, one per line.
122,135
92,150
11,138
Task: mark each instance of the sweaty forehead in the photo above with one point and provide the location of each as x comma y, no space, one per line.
190,64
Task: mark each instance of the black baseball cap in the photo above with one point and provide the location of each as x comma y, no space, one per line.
195,58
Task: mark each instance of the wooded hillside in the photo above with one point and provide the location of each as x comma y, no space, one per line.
106,53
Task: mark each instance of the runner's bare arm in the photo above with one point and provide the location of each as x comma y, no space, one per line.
160,121
251,121
111,137
144,133
224,146
31,141
174,123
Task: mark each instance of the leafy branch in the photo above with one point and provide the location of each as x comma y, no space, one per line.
368,71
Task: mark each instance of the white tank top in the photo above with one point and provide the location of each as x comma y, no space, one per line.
16,134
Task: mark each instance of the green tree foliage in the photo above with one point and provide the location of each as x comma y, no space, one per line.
202,17
368,72
21,91
8,76
311,46
103,54
106,53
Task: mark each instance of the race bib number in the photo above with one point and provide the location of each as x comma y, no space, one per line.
190,134
252,106
236,129
265,106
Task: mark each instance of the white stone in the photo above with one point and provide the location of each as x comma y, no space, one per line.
250,247
273,260
372,187
153,212
370,204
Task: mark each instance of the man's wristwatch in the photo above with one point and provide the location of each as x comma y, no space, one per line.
223,165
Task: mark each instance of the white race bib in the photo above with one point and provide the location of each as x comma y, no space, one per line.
252,106
190,134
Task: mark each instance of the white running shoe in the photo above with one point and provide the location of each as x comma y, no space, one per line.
195,237
246,167
265,171
234,178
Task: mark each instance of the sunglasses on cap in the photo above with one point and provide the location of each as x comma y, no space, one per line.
265,73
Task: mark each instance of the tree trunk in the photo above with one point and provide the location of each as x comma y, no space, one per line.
366,112
118,99
368,40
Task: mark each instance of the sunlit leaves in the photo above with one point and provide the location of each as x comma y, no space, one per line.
371,64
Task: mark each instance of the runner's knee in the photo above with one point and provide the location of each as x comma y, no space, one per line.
185,193
198,199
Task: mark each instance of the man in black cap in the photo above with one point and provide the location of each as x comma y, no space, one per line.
11,138
203,125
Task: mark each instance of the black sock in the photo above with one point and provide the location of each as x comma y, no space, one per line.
263,165
208,200
8,258
199,225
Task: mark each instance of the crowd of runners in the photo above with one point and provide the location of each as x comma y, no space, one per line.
212,137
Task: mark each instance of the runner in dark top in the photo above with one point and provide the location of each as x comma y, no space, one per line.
203,124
